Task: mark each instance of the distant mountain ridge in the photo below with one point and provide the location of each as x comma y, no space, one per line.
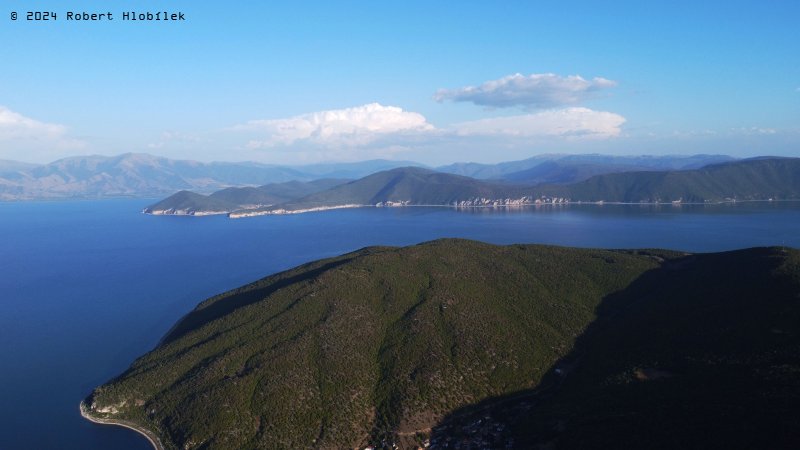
751,179
754,179
143,175
557,172
557,168
238,198
406,185
11,167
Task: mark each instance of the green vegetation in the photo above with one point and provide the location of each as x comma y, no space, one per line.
755,179
383,344
414,184
273,193
345,351
189,202
703,352
235,198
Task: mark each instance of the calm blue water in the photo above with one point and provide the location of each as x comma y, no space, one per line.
85,287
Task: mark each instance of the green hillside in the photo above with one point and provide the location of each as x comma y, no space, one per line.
754,179
383,344
187,202
235,198
410,184
701,353
566,172
337,352
274,193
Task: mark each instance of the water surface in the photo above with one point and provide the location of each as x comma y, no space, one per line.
87,286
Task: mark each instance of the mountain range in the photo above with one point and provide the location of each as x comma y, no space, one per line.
750,179
238,198
556,168
143,175
743,180
460,344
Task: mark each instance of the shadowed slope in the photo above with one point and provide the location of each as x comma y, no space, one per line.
575,347
703,352
753,179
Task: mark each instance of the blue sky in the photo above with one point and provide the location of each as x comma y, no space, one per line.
434,82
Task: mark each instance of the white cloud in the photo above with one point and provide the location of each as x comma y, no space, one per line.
377,131
570,123
539,90
354,126
16,126
26,135
754,131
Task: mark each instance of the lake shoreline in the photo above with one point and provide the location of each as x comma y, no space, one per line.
240,214
160,269
151,437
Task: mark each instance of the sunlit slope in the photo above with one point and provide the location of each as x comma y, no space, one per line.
380,342
755,179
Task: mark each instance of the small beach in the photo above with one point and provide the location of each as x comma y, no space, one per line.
148,434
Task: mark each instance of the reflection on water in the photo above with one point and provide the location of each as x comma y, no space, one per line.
630,209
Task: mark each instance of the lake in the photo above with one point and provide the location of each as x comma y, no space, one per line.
87,286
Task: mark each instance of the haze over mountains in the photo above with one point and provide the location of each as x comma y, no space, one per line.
237,198
143,175
752,179
556,168
519,346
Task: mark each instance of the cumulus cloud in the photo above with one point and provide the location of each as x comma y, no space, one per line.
570,123
16,126
354,126
538,90
28,136
377,131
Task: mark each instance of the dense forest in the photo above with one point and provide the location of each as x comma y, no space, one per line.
423,344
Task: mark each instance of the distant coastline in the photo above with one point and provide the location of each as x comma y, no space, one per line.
766,179
279,212
151,437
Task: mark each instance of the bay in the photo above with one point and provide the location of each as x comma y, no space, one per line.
87,286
